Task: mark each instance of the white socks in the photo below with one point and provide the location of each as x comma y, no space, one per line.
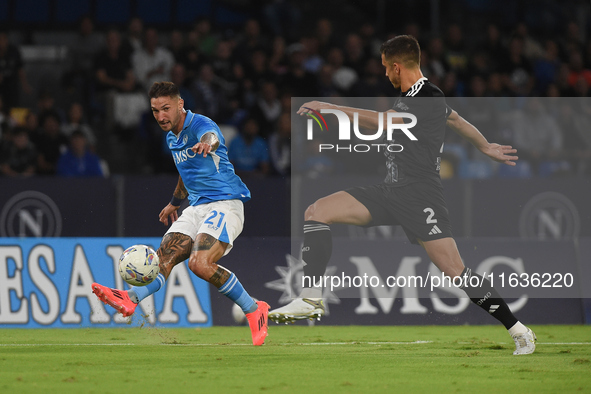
518,328
311,292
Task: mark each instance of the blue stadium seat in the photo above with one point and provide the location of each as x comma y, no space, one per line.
189,10
113,11
3,11
67,11
226,16
548,168
522,169
154,11
458,150
28,11
475,169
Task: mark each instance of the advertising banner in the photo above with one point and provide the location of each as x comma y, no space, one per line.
46,282
357,290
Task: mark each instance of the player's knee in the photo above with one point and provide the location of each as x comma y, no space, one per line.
309,213
315,212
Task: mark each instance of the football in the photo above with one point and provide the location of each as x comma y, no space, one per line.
139,265
237,314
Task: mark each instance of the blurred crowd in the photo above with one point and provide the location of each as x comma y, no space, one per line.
244,79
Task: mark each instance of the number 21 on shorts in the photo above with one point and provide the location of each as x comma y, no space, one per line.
214,218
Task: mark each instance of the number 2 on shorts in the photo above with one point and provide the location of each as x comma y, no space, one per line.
431,214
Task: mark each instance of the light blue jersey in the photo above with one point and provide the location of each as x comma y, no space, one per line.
210,178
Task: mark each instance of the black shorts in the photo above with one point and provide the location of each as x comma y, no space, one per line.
418,207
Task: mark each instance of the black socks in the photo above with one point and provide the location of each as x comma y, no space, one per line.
317,249
486,297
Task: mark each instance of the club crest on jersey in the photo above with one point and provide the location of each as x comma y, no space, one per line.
185,139
402,106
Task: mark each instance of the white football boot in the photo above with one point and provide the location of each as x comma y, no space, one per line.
525,343
298,309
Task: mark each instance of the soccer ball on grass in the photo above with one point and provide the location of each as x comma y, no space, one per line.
139,265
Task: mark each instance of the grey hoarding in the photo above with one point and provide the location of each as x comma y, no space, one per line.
538,208
271,273
54,207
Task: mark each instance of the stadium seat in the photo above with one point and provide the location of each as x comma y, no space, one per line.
31,11
549,168
475,169
67,11
154,11
227,16
113,11
522,169
447,169
189,10
3,11
458,150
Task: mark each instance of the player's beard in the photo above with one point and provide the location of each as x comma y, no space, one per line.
395,82
170,125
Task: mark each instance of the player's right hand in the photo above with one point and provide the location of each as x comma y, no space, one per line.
169,211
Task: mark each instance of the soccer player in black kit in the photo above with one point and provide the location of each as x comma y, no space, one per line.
410,196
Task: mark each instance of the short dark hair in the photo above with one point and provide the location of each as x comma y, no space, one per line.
403,49
164,89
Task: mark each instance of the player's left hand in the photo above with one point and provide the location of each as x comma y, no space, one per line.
169,211
311,106
201,148
501,153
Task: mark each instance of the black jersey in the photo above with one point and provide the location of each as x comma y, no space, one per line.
419,160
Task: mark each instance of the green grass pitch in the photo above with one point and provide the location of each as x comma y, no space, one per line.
294,359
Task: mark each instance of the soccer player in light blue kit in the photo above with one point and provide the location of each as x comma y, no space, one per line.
206,230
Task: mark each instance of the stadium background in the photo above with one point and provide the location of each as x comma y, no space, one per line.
240,62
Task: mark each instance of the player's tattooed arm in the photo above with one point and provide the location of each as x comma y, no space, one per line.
180,191
208,143
211,139
220,277
174,248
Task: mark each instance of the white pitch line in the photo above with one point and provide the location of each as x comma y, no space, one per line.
213,344
276,344
64,344
537,343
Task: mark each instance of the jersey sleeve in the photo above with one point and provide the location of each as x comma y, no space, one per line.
207,125
448,111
